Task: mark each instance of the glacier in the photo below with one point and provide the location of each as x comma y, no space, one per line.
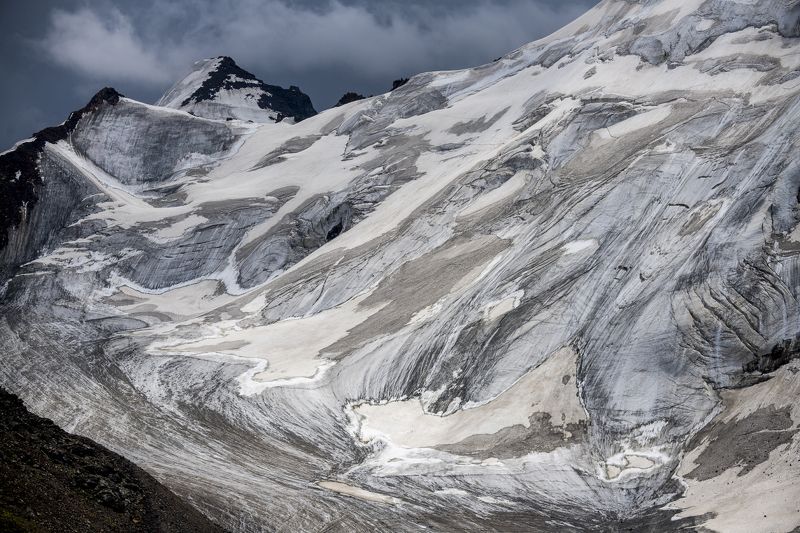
555,292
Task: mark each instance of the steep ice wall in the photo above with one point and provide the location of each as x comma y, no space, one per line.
540,294
145,145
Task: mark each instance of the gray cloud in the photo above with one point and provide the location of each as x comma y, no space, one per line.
103,47
325,46
274,35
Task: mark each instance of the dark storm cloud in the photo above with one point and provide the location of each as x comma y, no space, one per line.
56,54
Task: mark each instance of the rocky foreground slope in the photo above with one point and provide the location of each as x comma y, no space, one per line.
54,481
555,292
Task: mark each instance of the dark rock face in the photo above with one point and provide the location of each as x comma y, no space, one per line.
351,96
780,354
348,98
396,84
19,174
51,480
291,102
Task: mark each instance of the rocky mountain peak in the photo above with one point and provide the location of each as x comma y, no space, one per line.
218,88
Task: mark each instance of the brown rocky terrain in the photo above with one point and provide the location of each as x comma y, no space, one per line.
51,480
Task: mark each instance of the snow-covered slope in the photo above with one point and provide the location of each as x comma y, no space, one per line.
218,88
555,292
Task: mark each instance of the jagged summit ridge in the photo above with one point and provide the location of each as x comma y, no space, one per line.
218,88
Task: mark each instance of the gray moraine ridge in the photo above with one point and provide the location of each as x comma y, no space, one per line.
558,292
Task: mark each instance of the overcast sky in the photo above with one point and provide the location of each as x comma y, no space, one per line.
57,53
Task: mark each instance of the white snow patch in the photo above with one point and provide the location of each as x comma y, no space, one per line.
575,247
82,260
451,492
704,24
495,501
177,229
356,492
290,349
190,300
495,310
631,463
406,424
427,313
250,386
